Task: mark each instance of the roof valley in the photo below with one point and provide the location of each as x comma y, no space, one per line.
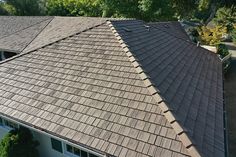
167,112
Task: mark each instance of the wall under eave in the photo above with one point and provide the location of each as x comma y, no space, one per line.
45,148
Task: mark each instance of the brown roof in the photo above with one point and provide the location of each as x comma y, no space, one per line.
23,34
187,77
120,90
17,32
62,27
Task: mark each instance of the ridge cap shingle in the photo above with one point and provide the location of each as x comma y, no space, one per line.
167,112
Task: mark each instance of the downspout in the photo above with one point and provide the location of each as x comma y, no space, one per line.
55,137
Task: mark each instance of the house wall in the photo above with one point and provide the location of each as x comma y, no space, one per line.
3,132
45,148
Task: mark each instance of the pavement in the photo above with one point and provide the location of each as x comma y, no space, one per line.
232,48
230,101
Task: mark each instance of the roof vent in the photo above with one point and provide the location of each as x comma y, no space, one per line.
127,29
147,27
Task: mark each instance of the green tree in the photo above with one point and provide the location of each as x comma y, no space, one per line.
184,8
233,34
226,16
3,11
211,36
25,7
156,10
73,7
19,143
140,9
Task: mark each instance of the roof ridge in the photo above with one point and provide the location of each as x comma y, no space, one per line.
167,111
24,53
27,27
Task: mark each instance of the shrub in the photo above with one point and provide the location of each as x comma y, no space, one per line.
222,50
211,36
19,143
233,35
193,34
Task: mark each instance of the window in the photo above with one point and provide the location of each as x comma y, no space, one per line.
8,124
56,145
84,154
1,121
73,151
92,155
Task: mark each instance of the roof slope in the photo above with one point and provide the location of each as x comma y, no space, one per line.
172,27
12,24
85,90
187,77
17,41
62,27
23,34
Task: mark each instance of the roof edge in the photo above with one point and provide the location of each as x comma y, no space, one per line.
171,118
54,135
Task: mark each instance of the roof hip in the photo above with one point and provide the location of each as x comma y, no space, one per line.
167,111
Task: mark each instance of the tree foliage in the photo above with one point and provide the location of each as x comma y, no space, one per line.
226,16
233,34
73,7
212,36
222,50
19,143
184,8
141,9
24,7
148,10
3,11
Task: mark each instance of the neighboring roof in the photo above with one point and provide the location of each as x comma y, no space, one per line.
62,27
18,32
18,41
95,88
12,24
172,27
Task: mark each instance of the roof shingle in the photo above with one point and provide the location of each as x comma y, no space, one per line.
86,93
185,76
141,92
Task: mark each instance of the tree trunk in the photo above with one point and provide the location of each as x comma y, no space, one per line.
213,12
